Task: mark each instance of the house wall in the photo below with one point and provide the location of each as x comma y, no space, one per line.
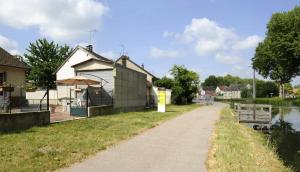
230,95
130,89
36,96
15,77
67,71
130,65
104,74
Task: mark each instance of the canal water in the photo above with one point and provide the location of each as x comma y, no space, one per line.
285,135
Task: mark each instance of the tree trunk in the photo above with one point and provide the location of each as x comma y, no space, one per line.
281,91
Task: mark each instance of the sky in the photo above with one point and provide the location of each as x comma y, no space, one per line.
211,37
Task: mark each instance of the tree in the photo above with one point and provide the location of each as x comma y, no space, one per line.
211,81
186,84
164,82
278,56
44,58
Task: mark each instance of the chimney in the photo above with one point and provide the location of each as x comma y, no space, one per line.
89,48
143,66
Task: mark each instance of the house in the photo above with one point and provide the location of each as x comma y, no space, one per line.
12,74
121,86
151,91
228,92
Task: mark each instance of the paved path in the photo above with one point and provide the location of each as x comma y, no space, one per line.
180,144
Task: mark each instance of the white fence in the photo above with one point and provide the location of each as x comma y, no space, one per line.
35,97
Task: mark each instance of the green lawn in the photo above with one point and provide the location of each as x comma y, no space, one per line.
239,148
59,145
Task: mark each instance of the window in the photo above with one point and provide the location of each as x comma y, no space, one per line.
2,80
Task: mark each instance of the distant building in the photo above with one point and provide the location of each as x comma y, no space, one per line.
231,92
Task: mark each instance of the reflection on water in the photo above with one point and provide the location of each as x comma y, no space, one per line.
285,135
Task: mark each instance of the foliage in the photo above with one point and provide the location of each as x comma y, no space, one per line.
60,145
277,57
44,58
164,82
214,81
288,88
186,84
263,88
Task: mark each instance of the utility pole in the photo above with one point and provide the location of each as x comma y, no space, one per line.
254,89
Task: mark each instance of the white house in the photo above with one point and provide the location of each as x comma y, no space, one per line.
231,92
121,86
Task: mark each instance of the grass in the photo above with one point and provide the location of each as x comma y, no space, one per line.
238,148
60,145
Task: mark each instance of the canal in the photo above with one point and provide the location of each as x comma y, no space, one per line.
285,135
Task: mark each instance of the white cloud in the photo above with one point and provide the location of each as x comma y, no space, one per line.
168,34
61,20
248,43
208,38
227,59
156,52
9,45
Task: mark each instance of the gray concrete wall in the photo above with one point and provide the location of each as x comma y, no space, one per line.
100,110
130,90
23,120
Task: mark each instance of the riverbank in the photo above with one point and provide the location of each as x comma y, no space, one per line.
238,148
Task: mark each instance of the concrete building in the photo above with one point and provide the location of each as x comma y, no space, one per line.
151,92
12,72
127,88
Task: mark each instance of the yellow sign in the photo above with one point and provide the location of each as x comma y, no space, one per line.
161,100
162,97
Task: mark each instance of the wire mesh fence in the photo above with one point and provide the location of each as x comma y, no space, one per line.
13,100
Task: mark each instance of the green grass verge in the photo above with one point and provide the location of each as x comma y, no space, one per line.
59,145
238,148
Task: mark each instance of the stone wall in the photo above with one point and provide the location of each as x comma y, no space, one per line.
130,91
23,120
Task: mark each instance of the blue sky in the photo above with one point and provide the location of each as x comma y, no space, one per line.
209,36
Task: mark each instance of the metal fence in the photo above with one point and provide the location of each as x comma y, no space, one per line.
13,100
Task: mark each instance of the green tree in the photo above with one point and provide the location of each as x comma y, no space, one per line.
186,84
211,81
278,56
44,58
164,82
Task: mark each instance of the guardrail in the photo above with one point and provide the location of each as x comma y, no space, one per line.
254,113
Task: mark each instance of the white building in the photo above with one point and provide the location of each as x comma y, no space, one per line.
231,92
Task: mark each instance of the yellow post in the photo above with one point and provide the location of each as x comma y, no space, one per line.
161,102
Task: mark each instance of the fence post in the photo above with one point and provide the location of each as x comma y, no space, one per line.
47,98
10,98
21,97
87,101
